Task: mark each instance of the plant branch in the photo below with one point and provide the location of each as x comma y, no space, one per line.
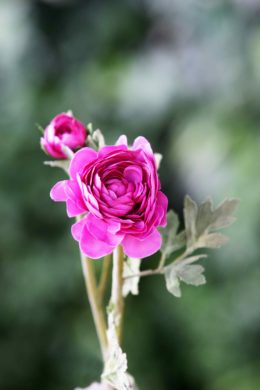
162,261
161,268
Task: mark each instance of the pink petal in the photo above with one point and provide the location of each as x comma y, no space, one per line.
52,149
111,149
162,205
58,192
81,159
74,208
142,143
133,174
137,248
76,229
92,246
122,140
102,231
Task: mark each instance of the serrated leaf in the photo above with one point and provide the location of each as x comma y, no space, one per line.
171,240
115,370
192,274
222,216
185,272
190,218
131,285
179,242
212,240
192,259
172,281
204,218
207,220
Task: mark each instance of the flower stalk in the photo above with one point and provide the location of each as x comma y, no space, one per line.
104,277
117,299
95,302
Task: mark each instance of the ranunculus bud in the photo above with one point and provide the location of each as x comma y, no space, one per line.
118,190
64,131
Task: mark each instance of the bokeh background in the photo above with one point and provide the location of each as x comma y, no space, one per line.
185,74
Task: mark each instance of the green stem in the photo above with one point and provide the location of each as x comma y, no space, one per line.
104,277
96,308
117,300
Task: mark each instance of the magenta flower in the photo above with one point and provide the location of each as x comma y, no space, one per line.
63,131
118,190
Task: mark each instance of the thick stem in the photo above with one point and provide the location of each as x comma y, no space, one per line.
104,277
96,307
117,300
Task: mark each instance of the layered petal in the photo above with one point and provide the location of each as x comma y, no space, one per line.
76,229
140,248
119,191
63,131
92,246
102,230
143,144
58,191
122,140
81,160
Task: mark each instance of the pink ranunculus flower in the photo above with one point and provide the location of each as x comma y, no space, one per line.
64,131
118,189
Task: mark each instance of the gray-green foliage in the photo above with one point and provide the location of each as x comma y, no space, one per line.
186,272
201,223
171,240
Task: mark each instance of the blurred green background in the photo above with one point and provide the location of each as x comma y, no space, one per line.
185,74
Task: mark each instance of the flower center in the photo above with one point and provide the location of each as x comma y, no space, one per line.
62,130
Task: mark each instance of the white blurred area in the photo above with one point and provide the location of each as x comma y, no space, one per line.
14,31
184,58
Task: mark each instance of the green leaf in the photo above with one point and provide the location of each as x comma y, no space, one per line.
172,281
200,223
222,216
186,272
204,218
192,274
171,240
90,128
40,128
213,240
192,259
190,218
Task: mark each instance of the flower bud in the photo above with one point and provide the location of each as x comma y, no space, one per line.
64,134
